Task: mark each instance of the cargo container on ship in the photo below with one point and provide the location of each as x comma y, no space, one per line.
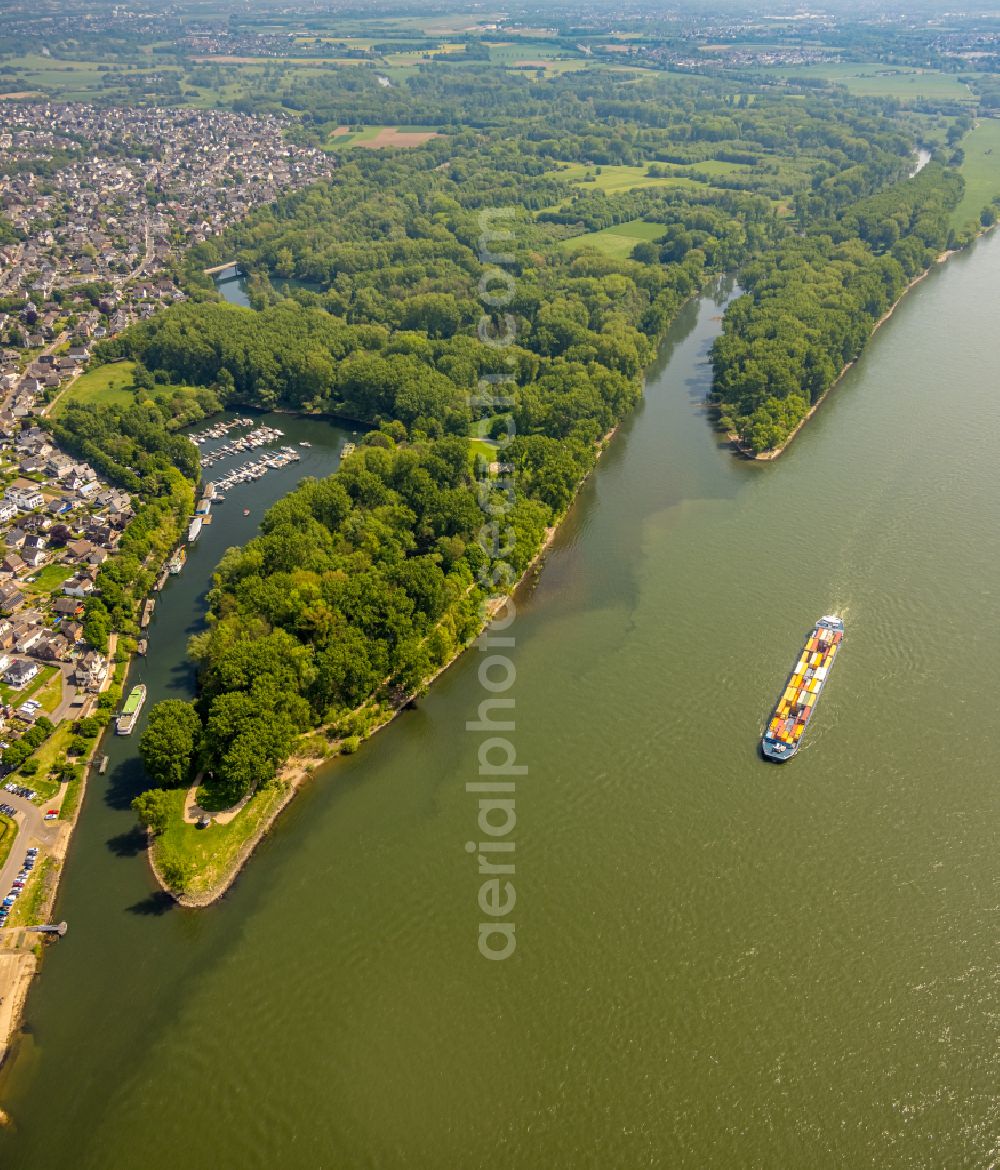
795,708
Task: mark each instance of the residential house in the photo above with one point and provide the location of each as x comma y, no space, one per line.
29,640
79,550
10,598
67,607
72,629
25,498
91,670
78,587
52,646
20,672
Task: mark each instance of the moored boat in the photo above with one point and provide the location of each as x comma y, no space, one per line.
125,723
194,529
805,684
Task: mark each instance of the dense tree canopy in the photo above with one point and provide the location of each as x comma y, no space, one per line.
811,304
369,303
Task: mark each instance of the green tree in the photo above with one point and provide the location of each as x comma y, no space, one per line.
153,808
169,742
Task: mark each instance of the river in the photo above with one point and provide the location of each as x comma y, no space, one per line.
720,962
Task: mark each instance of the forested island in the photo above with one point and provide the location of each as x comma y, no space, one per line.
367,307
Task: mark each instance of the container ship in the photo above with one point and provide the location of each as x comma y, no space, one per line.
125,723
802,691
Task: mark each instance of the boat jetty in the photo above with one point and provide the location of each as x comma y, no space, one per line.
258,437
219,430
255,468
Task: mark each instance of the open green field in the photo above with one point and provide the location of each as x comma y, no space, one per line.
108,385
873,79
82,80
486,447
48,578
202,857
415,56
617,241
50,694
980,170
376,137
111,385
618,178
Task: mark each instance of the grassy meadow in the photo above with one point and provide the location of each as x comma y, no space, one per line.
980,170
618,241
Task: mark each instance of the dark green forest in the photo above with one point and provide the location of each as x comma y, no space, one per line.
812,302
368,306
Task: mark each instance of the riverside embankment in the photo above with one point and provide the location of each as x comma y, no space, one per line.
719,962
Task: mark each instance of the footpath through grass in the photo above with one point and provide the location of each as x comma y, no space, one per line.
107,385
112,384
194,861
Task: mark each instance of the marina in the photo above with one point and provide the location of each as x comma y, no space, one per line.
219,430
259,437
255,469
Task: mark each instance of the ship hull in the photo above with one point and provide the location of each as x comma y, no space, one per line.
796,706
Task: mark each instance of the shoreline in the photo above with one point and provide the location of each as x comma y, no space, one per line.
772,454
27,963
299,768
768,456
